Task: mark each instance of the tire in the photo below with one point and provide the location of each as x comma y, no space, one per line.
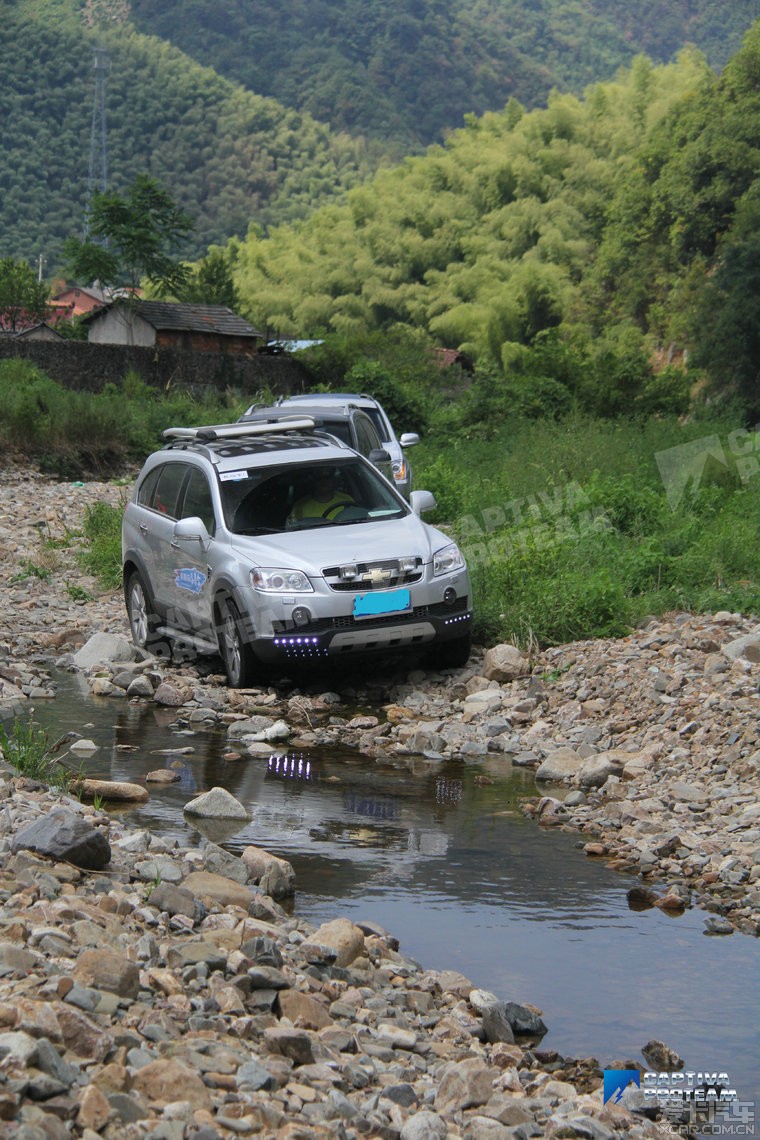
240,662
142,619
452,654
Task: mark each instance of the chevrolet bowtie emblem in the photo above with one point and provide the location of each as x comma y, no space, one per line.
377,576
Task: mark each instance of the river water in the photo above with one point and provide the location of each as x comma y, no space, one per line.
441,856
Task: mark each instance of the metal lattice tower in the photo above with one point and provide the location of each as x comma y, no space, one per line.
98,154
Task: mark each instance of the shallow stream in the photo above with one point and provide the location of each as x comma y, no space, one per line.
445,860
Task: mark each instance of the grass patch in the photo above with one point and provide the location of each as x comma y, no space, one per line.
580,528
28,750
101,557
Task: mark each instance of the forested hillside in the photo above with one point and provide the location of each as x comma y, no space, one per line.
406,72
230,157
307,99
565,249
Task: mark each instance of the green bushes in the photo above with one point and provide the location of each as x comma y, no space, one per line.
74,434
569,532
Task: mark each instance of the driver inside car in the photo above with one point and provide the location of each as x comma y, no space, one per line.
324,501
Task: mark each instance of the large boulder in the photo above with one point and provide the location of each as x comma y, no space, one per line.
102,648
217,803
561,764
504,663
66,837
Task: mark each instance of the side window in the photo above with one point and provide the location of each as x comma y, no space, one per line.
166,492
147,487
365,439
340,430
197,500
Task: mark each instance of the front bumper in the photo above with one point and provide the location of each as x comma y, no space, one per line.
336,637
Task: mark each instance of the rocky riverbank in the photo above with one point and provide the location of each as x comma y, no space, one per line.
648,745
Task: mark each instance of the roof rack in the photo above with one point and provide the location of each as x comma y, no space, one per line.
232,431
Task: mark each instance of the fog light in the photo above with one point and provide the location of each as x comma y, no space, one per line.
301,616
449,595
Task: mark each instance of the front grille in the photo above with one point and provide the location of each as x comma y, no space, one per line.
381,575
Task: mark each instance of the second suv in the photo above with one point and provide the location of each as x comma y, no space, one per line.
396,446
275,545
348,424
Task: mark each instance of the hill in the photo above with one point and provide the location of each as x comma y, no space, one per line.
253,113
406,73
554,245
231,158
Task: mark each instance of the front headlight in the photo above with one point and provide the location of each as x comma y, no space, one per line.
447,560
399,471
280,580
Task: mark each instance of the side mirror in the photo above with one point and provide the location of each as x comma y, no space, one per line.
192,529
379,455
409,438
421,501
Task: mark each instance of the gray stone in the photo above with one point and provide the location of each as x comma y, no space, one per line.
67,837
221,862
505,663
217,803
173,900
252,1076
424,1125
466,1084
274,876
524,1021
101,649
561,764
496,1024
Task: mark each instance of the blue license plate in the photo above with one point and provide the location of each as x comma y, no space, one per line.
386,602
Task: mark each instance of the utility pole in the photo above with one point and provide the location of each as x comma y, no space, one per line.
101,66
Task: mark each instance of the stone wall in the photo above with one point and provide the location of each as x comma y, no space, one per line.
89,367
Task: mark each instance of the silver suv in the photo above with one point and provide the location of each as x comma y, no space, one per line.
277,547
396,446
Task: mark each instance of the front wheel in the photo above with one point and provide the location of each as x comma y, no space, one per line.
142,620
240,662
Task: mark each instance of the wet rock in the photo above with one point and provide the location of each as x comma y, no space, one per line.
169,695
661,1057
524,1021
342,940
217,803
274,876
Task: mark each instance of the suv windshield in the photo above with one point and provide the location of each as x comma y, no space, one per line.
267,500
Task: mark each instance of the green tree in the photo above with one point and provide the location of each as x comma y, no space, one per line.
132,239
211,281
23,299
